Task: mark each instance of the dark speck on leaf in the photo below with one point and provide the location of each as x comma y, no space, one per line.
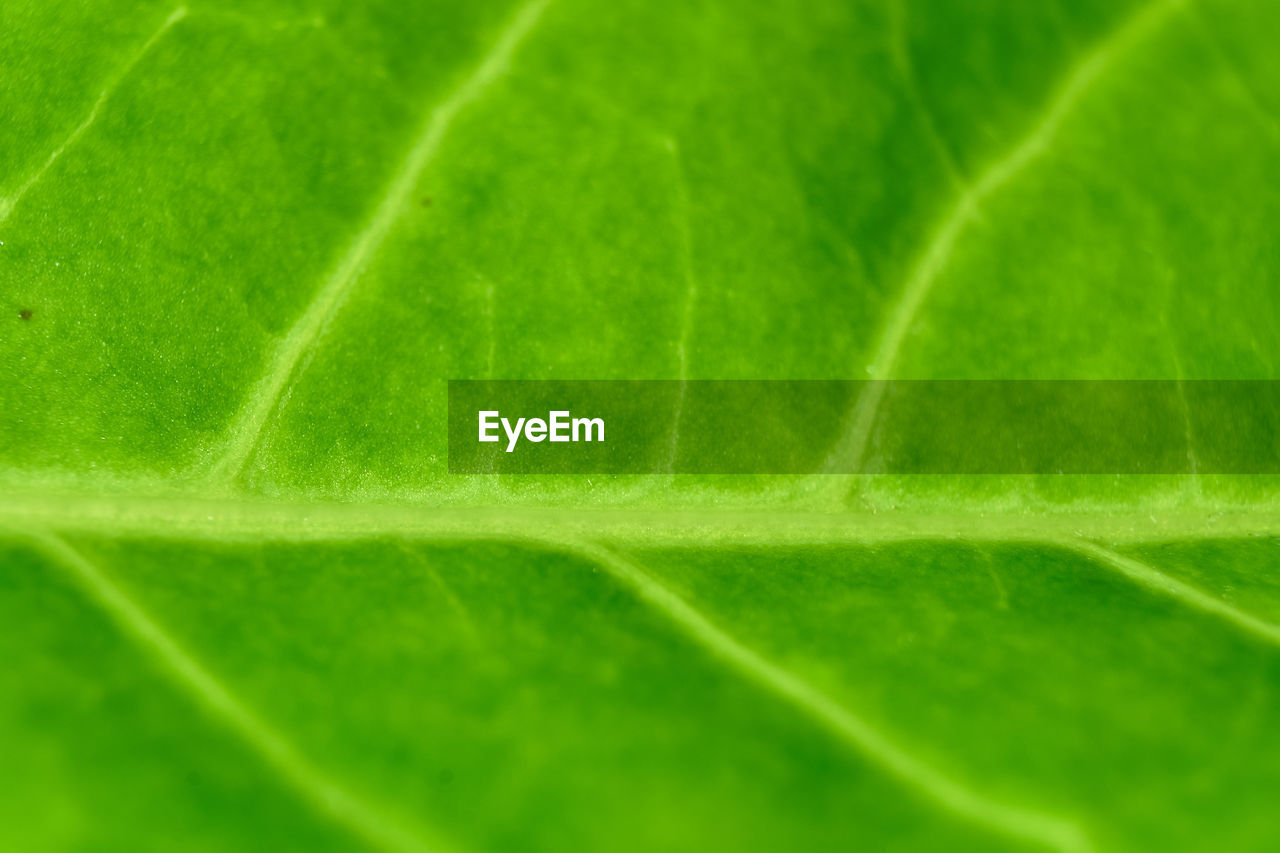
25,314
426,202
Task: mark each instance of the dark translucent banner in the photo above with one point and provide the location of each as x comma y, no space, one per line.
848,427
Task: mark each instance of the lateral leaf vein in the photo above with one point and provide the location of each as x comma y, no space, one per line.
324,793
301,338
8,204
936,786
850,451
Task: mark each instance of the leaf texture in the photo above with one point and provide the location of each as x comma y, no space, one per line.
245,245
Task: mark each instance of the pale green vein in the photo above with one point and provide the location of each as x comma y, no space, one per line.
946,792
670,146
325,794
1179,375
8,204
901,53
490,330
301,338
1002,600
489,313
252,519
691,291
1159,581
1245,91
684,231
850,452
446,592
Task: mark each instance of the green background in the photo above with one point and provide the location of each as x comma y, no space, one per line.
244,245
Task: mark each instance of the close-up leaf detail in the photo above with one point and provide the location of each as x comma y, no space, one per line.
245,246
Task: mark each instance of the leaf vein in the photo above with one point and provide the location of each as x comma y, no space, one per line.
851,449
1157,580
301,339
322,792
901,54
255,519
1246,91
690,306
934,784
8,204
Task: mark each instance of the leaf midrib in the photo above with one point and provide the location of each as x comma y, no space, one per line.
247,518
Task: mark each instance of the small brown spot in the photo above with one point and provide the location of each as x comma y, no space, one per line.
25,314
426,202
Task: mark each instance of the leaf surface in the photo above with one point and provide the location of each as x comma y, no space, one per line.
244,246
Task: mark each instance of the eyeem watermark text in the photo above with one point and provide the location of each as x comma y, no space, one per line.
558,426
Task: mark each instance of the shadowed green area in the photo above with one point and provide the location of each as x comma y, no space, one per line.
244,246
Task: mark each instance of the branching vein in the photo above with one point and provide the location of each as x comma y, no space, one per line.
691,293
901,53
1246,91
1180,378
451,599
322,792
946,792
300,339
850,452
1159,581
8,204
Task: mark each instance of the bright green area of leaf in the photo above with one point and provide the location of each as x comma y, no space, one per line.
244,245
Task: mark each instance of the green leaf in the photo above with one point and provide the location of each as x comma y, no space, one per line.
245,245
